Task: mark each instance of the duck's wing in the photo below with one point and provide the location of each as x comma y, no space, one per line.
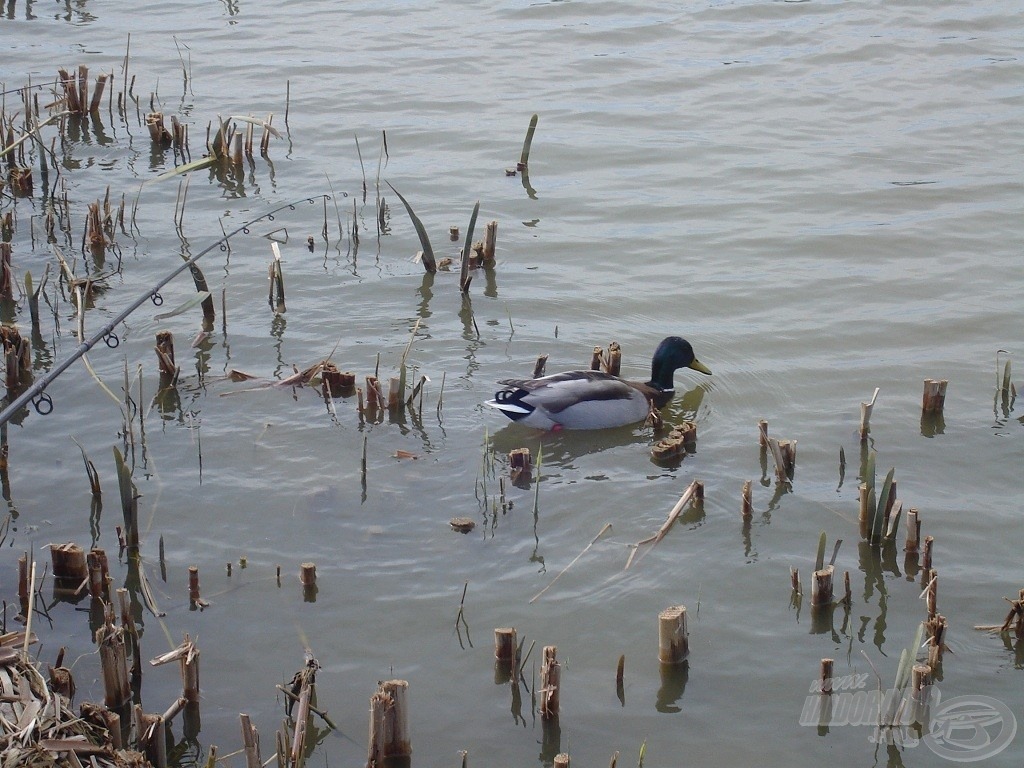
559,391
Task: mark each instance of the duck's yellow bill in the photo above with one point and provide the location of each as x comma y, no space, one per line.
697,365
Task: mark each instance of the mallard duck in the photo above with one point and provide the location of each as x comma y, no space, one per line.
592,399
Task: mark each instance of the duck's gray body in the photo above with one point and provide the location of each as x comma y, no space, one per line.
592,399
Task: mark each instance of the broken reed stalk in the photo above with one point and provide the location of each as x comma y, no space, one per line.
17,355
113,661
389,724
94,234
276,276
539,366
673,637
524,157
746,503
926,560
165,354
931,593
187,654
865,415
23,592
151,736
250,742
1015,617
762,430
550,683
6,272
612,362
129,501
934,397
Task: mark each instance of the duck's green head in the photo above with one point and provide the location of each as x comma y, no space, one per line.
672,354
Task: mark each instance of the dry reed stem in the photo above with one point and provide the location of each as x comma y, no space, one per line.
695,488
607,527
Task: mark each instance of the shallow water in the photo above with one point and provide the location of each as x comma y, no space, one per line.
823,197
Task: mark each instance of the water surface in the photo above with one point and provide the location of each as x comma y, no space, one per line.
823,197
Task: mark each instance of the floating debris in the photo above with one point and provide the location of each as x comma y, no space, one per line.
462,524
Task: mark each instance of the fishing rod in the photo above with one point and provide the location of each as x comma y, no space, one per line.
36,394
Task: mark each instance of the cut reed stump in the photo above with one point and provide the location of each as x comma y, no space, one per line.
490,242
505,643
827,665
561,760
673,637
18,358
550,683
20,181
746,502
70,570
821,587
158,132
520,465
934,397
681,440
307,574
334,382
505,647
99,574
23,582
389,724
921,692
913,532
935,629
